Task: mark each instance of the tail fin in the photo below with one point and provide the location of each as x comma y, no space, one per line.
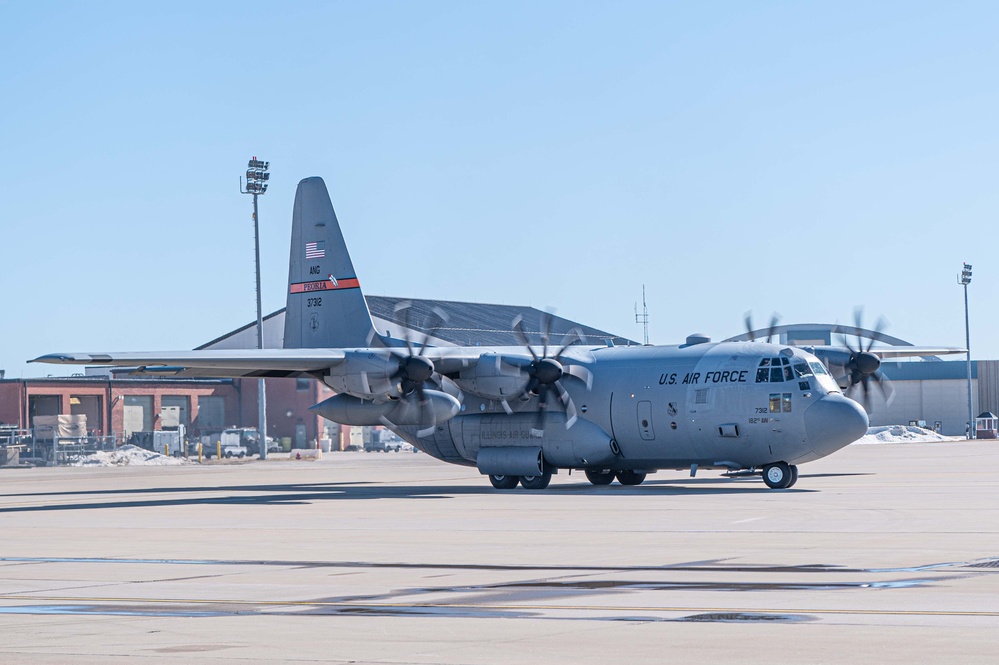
326,308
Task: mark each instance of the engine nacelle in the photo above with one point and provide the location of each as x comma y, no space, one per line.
365,374
491,378
350,410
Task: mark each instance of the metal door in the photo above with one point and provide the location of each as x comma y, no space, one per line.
645,421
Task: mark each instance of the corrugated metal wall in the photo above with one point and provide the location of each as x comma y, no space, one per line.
988,386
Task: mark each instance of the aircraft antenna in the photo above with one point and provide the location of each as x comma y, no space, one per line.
643,318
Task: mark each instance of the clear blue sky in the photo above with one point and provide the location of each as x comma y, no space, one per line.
731,156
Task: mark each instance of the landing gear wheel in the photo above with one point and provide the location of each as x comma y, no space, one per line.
536,482
777,476
504,482
630,477
600,477
794,476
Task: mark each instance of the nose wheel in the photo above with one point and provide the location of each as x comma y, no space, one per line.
780,475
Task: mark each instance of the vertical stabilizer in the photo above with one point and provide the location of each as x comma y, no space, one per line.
326,308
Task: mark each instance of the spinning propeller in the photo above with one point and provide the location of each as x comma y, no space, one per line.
863,367
415,370
771,330
545,372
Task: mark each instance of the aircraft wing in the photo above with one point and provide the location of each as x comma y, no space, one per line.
232,363
884,352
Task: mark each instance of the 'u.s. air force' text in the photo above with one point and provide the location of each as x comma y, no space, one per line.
723,376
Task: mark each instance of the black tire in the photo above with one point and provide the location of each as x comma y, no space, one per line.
777,476
536,482
630,477
600,477
504,482
242,455
794,476
228,454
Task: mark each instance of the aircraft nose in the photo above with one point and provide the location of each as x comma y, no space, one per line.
833,422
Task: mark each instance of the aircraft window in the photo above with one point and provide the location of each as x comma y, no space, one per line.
783,360
765,362
775,361
774,402
786,403
788,374
801,369
762,375
776,376
818,368
803,385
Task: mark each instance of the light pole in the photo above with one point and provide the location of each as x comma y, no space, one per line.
256,184
964,280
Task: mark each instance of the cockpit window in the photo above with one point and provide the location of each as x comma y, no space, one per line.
762,375
783,360
765,362
788,375
802,370
776,376
818,368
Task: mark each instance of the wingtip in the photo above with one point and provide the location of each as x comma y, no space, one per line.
54,358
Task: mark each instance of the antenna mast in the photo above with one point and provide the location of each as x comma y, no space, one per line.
643,318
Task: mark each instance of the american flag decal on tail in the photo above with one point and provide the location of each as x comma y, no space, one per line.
315,250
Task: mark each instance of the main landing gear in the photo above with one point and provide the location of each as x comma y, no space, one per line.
780,475
607,477
527,482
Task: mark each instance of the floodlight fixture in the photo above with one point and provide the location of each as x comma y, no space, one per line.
256,184
964,279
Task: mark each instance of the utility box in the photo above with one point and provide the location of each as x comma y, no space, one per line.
168,443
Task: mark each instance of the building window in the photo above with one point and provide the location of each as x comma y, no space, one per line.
301,385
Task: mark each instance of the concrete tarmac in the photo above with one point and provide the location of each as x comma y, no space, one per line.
886,554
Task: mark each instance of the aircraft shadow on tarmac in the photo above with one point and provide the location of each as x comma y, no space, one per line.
303,493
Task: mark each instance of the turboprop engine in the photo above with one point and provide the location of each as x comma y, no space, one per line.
436,406
366,374
493,378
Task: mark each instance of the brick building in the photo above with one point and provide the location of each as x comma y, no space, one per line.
123,406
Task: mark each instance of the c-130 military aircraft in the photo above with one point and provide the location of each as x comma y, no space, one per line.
520,414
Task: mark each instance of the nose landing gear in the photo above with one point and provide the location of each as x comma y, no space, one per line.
780,475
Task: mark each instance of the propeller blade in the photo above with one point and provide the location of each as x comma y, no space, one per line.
425,405
749,326
570,407
858,318
400,306
546,328
580,372
878,329
518,329
442,318
567,341
772,330
539,424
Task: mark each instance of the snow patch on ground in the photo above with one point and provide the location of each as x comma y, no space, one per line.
129,455
902,434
